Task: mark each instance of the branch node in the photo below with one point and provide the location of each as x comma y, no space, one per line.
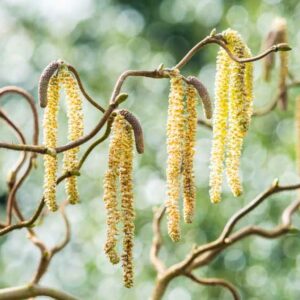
51,152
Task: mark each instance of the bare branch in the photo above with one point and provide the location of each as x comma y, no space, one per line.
28,97
216,282
157,240
83,91
27,291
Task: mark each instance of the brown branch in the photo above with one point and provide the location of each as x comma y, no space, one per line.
22,139
95,144
47,255
216,282
218,39
67,237
28,97
202,255
82,89
157,240
27,291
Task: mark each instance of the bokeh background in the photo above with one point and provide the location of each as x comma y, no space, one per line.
102,38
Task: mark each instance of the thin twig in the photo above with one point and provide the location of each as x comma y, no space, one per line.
157,240
216,282
83,91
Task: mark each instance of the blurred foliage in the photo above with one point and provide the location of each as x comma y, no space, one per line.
102,39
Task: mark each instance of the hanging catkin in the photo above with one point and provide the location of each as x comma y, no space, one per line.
120,165
110,189
189,189
50,141
232,115
75,130
220,116
175,136
127,204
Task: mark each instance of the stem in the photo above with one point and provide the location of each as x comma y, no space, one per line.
27,291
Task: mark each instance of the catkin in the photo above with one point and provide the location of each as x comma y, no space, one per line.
232,115
75,130
127,204
219,126
110,189
175,136
238,118
50,141
189,189
120,165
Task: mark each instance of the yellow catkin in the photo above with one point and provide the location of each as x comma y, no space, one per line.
127,204
239,112
297,123
189,189
232,115
110,189
219,126
75,130
50,141
175,136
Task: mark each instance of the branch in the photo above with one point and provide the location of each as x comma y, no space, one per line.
22,139
83,91
27,291
202,255
216,282
157,240
219,40
28,97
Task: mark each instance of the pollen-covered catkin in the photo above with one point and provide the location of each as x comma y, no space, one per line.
50,141
189,189
110,189
237,116
232,115
175,136
127,204
75,130
220,116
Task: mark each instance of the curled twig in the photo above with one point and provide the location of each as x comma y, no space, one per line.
157,240
82,89
28,97
216,282
137,129
203,93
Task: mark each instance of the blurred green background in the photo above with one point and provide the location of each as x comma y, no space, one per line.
102,39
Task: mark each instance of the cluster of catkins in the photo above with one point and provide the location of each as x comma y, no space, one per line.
232,115
54,78
120,159
181,140
231,119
